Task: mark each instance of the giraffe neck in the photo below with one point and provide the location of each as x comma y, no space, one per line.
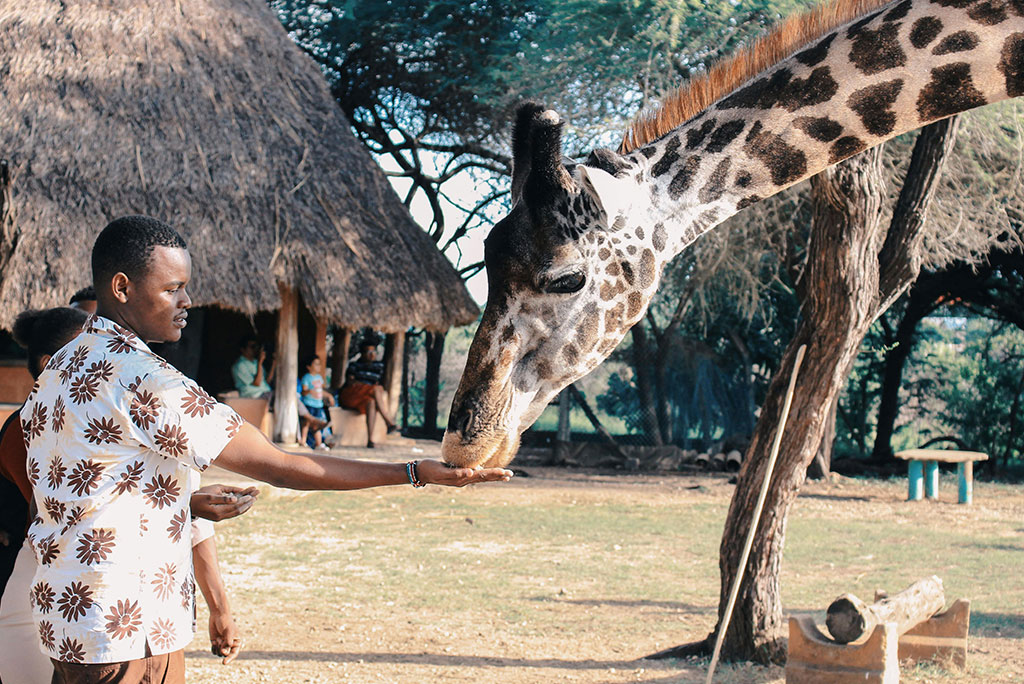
891,71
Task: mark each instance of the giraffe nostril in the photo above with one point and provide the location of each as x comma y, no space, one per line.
463,422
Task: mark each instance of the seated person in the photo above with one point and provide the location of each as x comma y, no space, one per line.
247,371
363,392
314,398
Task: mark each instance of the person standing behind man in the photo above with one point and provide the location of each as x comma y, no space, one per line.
112,432
247,371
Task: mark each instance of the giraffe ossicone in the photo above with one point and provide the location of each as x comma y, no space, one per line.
578,258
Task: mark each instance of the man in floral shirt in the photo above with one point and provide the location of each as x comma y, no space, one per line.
112,432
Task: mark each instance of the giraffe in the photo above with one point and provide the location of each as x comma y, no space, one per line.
577,260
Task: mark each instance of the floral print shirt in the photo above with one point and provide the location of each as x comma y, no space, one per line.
112,433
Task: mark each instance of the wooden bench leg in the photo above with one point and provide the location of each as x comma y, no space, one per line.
965,477
931,479
915,480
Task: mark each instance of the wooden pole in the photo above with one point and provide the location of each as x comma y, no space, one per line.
320,341
392,379
286,400
339,357
756,517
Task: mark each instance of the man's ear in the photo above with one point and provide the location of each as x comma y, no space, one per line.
613,194
43,360
121,286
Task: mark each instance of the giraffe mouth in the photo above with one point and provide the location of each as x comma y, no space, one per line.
497,451
485,424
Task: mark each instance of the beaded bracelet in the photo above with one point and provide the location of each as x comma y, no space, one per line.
410,470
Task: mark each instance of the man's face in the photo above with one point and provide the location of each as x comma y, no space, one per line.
157,306
369,353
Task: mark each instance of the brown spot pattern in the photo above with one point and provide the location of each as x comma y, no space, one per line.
960,41
785,163
874,106
924,31
876,51
1011,64
950,91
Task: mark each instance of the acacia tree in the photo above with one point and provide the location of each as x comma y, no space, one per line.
429,86
857,266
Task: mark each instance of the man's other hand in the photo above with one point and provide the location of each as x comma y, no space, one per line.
219,502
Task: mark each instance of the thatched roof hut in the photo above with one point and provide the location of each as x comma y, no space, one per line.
205,114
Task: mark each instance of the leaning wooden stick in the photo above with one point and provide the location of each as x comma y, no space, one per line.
756,517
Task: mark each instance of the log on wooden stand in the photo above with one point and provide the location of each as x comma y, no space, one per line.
849,618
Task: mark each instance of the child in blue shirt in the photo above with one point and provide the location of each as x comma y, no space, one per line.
315,399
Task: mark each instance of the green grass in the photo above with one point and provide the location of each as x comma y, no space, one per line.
620,561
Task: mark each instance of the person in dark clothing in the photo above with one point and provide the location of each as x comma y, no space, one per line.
363,392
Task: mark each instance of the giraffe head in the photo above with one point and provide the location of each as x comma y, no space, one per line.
566,281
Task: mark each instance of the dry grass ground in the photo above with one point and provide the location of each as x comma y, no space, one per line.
574,577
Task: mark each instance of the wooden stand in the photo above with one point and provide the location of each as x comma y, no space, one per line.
942,638
874,659
816,659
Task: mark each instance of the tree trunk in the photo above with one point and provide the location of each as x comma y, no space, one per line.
892,378
432,391
841,296
855,269
663,404
645,384
821,465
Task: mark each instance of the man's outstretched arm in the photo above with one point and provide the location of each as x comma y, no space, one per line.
251,454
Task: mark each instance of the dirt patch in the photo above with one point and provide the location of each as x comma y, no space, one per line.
568,576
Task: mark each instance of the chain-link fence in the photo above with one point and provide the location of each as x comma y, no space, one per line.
648,409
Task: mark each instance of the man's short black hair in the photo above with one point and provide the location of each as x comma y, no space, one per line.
126,246
86,294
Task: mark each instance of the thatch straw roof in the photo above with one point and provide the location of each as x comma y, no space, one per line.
202,113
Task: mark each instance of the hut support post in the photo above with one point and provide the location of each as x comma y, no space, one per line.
321,344
339,357
392,379
286,402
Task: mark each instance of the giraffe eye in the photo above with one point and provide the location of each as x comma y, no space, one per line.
567,284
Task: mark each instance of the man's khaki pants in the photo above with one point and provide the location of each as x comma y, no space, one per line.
168,668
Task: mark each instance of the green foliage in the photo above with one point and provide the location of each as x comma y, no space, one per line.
979,377
965,379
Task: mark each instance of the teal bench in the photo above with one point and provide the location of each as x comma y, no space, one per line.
923,472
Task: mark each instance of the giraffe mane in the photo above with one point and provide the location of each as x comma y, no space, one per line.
728,74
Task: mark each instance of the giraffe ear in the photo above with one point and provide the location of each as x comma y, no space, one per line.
611,194
521,146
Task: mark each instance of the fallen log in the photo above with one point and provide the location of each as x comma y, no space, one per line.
849,618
